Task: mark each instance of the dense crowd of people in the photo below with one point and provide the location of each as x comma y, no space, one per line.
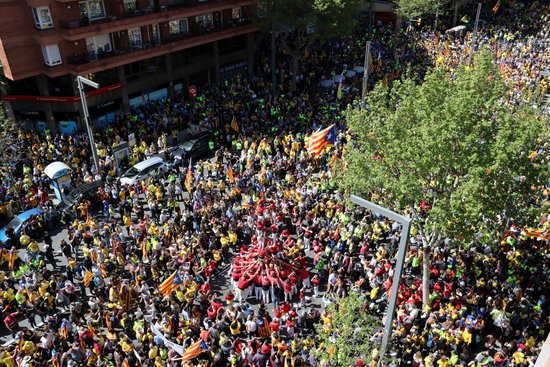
242,256
520,53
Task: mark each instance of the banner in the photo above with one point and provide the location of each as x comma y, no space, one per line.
176,347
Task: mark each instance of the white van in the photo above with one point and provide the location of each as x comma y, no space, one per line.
142,170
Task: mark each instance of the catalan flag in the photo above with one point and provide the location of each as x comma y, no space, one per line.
230,175
249,203
170,284
533,233
189,178
194,350
88,276
235,124
264,330
318,141
497,6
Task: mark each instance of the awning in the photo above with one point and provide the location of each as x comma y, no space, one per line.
57,169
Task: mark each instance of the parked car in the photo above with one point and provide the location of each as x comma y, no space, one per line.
142,170
17,223
194,148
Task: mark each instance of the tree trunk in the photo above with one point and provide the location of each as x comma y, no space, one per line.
426,252
455,12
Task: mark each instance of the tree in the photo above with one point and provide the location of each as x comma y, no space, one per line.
412,9
298,23
347,337
451,153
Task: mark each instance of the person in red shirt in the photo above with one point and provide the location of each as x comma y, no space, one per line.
316,281
275,325
10,321
287,288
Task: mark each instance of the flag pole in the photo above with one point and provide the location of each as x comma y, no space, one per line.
366,73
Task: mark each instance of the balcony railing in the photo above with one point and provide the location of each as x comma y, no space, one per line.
84,22
80,59
172,5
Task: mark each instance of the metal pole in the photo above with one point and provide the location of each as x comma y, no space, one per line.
474,45
477,17
87,122
436,18
366,73
403,244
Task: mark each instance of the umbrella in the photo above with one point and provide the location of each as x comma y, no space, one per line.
351,74
327,83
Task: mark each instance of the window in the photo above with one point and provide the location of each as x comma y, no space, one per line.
237,13
134,37
92,9
180,26
130,5
205,20
101,43
51,55
155,34
42,17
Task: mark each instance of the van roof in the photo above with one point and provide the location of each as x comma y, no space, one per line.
148,162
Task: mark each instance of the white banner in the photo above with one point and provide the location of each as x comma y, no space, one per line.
178,348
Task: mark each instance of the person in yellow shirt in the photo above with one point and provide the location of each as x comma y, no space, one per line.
7,359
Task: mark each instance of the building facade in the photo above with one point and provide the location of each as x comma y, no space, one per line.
137,50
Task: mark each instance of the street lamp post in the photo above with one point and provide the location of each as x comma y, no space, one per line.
403,243
80,83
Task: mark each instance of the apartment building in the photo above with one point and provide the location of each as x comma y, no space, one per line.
137,50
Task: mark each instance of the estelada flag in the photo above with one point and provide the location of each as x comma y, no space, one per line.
194,350
189,178
88,276
235,124
170,284
249,203
318,141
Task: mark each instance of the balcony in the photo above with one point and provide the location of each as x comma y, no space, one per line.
98,61
82,28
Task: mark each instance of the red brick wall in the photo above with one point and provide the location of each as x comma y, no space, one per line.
64,12
20,54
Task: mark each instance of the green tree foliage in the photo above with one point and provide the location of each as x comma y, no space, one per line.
347,338
327,17
453,144
298,23
411,9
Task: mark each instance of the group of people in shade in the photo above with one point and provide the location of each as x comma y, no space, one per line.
258,239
